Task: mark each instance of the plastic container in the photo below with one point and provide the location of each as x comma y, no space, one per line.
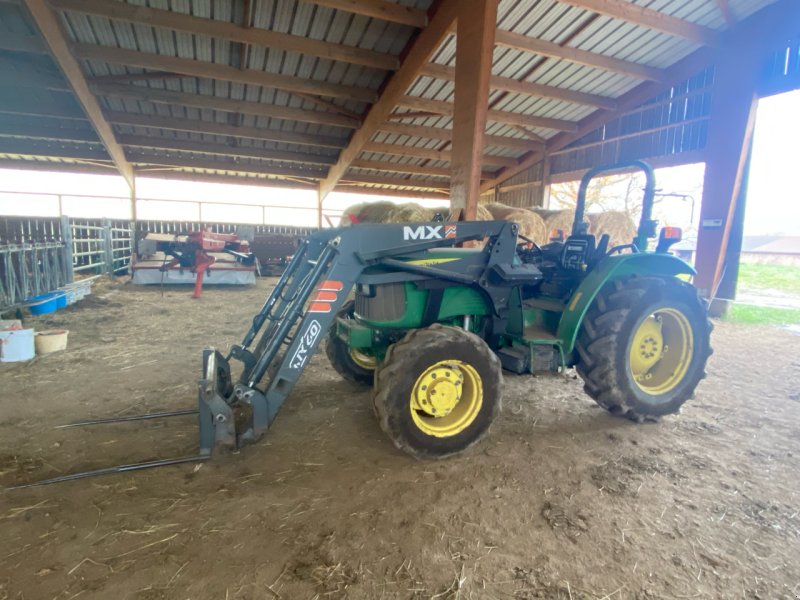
53,340
16,345
61,300
44,303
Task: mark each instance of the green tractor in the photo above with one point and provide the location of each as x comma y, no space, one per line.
434,323
427,331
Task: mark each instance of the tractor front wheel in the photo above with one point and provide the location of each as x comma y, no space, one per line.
350,363
437,391
643,346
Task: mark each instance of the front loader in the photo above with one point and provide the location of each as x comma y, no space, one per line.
432,325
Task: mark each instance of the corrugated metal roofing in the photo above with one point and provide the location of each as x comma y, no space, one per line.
549,20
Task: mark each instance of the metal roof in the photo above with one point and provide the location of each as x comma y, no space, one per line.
36,98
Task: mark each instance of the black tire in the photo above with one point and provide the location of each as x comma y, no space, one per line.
340,355
605,342
400,374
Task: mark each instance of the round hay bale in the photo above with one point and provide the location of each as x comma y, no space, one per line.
375,212
439,210
531,225
616,223
500,211
407,213
349,213
557,219
483,214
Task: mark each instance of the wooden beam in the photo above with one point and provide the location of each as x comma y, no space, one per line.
396,181
497,116
527,88
20,42
380,165
649,18
726,11
445,155
196,68
353,188
477,21
590,59
228,31
162,143
446,135
416,57
378,9
56,38
181,162
146,94
128,77
255,133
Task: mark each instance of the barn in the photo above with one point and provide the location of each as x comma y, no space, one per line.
190,401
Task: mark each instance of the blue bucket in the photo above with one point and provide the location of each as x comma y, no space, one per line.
45,303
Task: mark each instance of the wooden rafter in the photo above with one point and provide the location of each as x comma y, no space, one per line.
196,68
652,19
380,165
138,92
361,188
507,84
446,135
727,13
162,143
477,22
228,31
393,180
417,56
59,46
220,164
378,9
432,154
591,59
497,116
193,126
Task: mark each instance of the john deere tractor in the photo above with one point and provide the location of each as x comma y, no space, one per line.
433,324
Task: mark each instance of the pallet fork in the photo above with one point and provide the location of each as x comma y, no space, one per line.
329,263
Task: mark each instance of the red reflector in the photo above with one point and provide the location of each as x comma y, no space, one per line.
331,286
319,307
671,233
325,297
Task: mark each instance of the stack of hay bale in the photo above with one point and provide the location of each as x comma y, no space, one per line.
536,224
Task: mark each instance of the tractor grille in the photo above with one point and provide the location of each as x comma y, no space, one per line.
388,303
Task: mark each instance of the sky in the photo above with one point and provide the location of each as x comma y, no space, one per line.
773,202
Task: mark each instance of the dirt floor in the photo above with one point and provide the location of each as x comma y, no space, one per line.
560,501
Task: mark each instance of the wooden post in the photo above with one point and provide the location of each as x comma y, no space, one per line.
475,30
733,110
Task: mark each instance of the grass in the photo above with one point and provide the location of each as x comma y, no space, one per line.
763,315
770,277
760,279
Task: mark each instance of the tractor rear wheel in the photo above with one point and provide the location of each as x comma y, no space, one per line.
437,391
643,346
350,363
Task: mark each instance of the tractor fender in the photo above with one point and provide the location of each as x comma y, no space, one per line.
609,269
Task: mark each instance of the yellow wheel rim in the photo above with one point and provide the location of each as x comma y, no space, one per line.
365,361
661,351
446,398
